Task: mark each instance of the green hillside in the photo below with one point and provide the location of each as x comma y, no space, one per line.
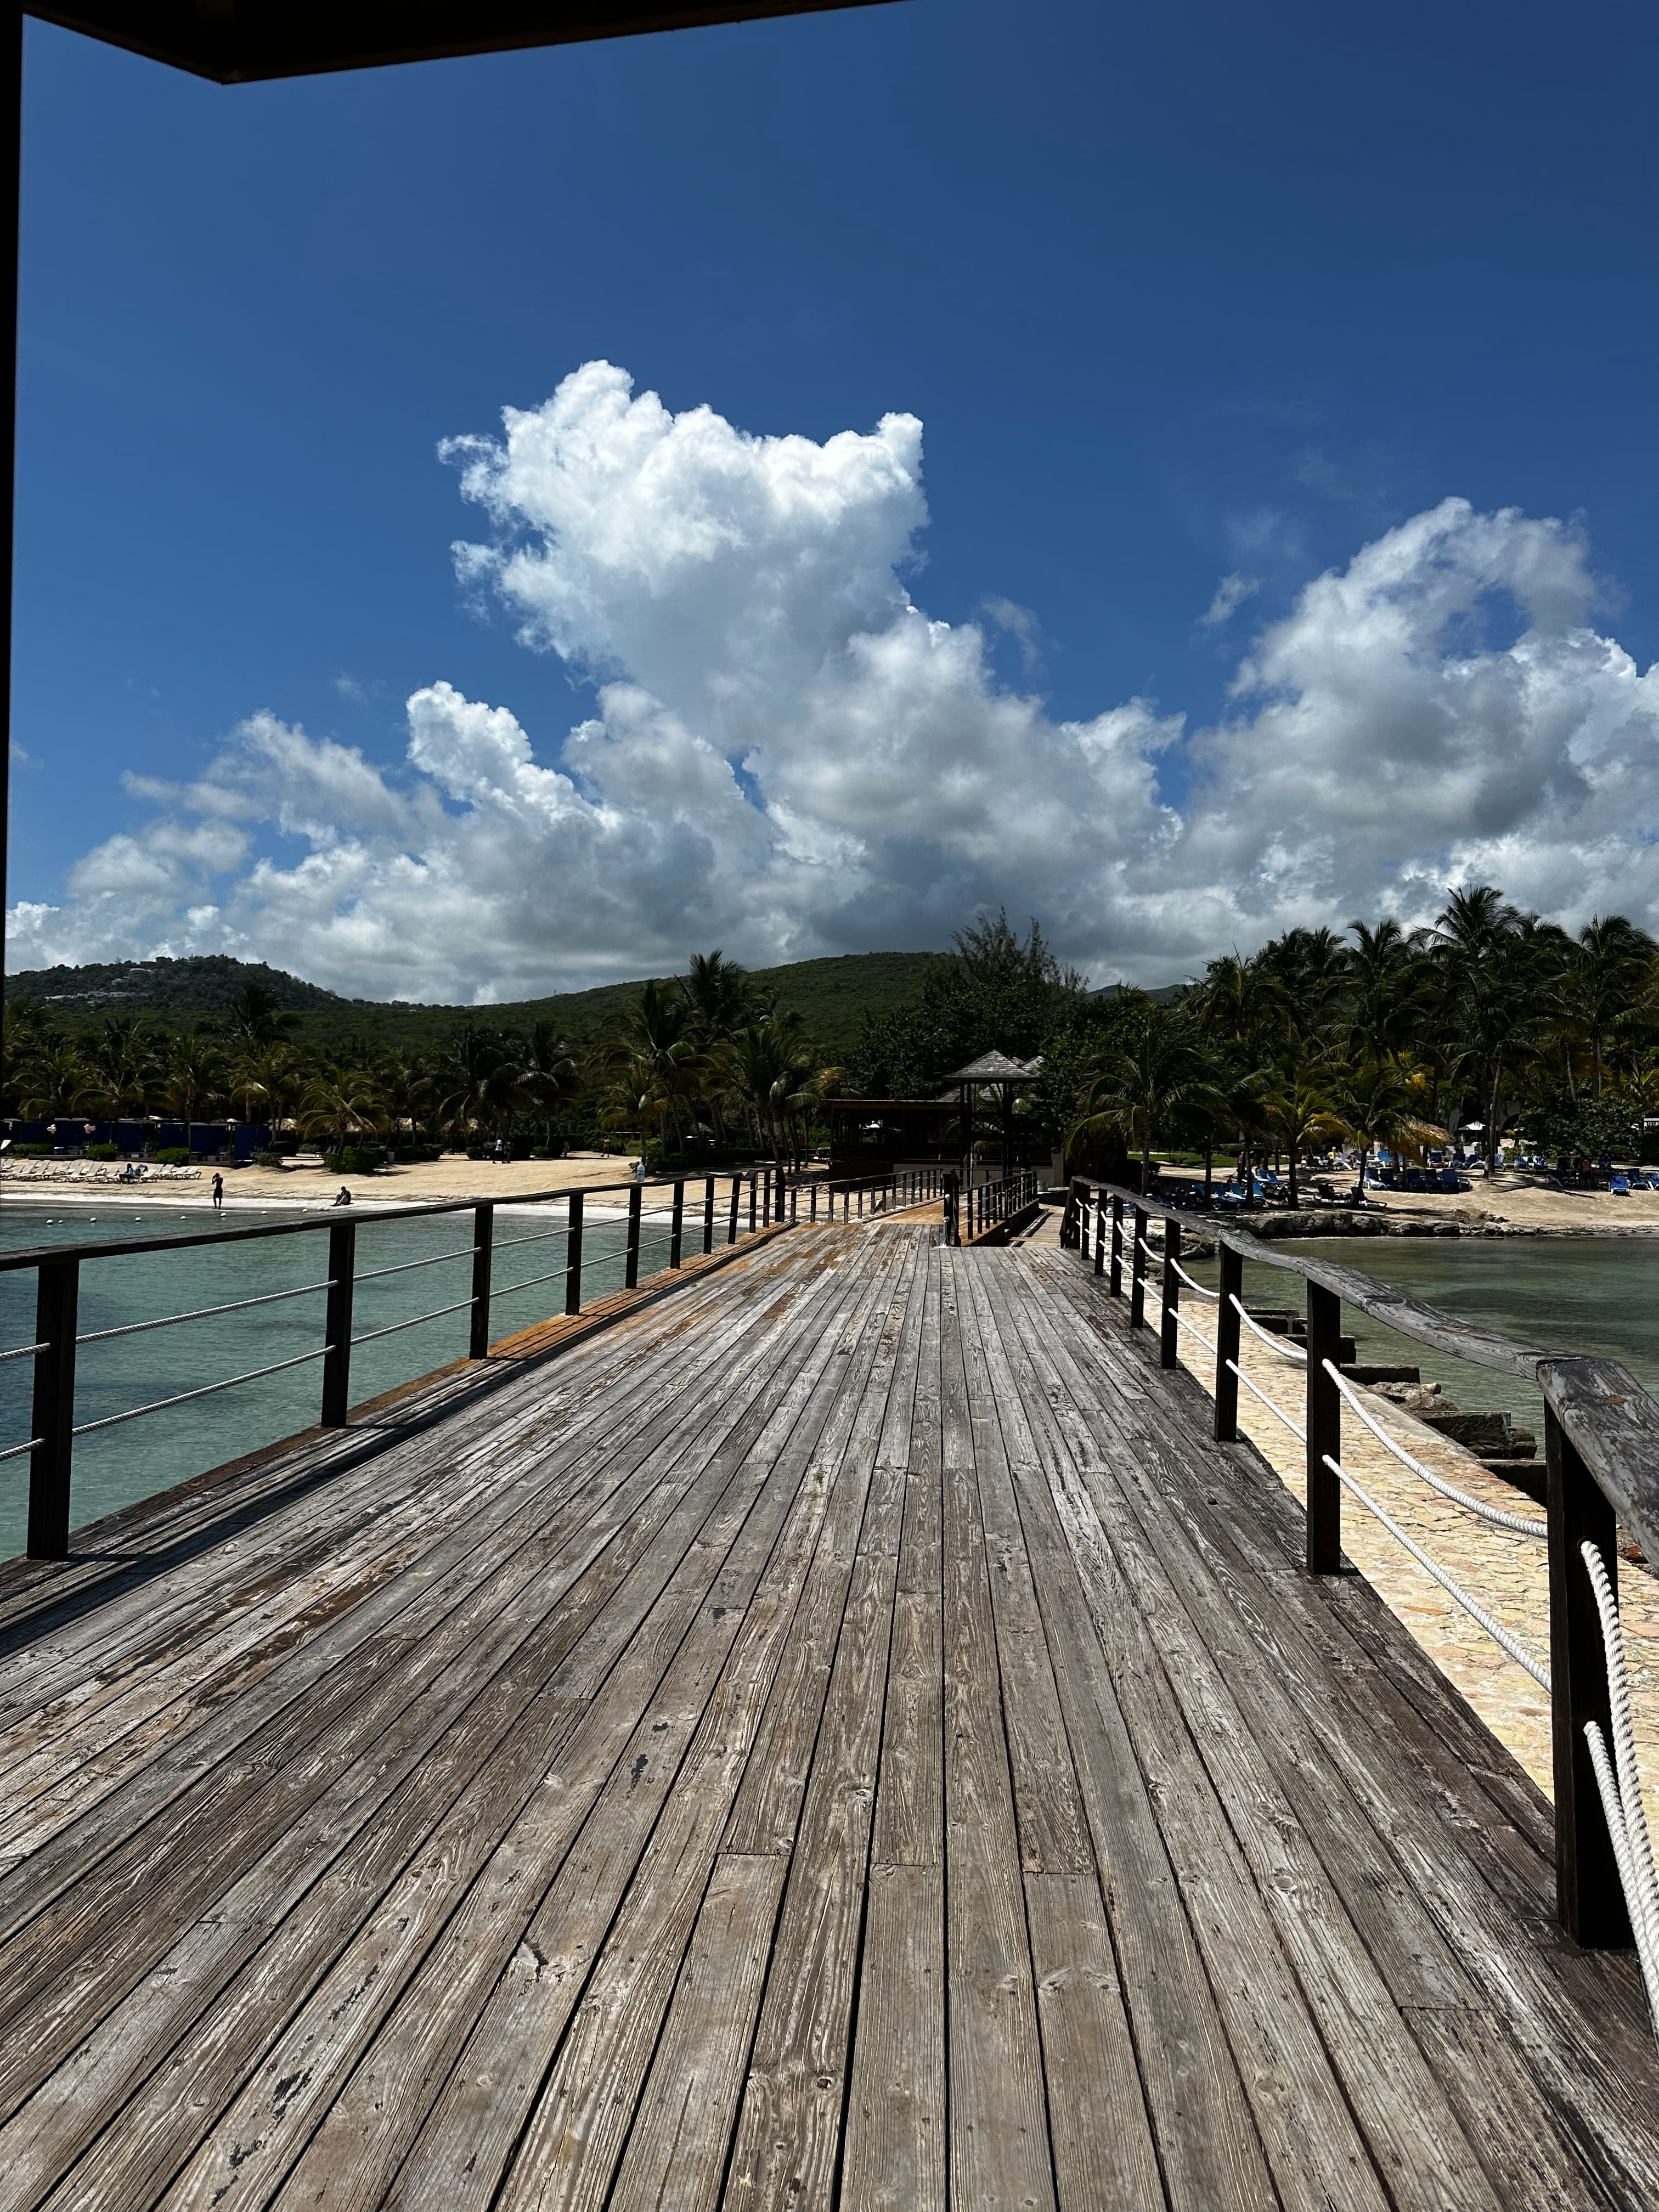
831,996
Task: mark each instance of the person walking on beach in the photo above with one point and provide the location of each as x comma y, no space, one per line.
218,1192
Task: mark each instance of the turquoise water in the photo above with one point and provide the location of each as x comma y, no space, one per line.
1594,1294
139,1457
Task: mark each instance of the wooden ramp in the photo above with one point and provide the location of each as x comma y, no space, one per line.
845,1738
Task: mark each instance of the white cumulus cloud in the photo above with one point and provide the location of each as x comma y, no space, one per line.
787,757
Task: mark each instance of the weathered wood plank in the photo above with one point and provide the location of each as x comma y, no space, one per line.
676,2156
998,2121
788,2139
1054,1829
895,2158
1103,2143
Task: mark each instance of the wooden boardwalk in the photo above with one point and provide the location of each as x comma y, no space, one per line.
844,1737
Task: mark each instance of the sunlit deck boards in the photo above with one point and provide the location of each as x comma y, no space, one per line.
846,1738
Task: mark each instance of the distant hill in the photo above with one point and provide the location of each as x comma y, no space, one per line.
831,996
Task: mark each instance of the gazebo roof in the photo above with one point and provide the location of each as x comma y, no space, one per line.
998,1067
237,41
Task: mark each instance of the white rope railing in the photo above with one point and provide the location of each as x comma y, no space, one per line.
1522,1524
1164,1260
1301,1435
1495,1629
1279,1347
1621,1790
1182,1321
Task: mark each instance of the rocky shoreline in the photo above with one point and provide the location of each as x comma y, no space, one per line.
1466,1221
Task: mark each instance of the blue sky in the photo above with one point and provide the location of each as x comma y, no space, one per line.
1175,295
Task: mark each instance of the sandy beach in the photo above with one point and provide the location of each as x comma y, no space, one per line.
1509,1201
308,1184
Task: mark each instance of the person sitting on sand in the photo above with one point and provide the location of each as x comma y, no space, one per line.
344,1198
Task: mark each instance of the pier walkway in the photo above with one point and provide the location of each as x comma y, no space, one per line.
844,1737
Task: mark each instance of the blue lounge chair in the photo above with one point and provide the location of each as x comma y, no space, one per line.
1619,1186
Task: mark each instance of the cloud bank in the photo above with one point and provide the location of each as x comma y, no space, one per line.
788,757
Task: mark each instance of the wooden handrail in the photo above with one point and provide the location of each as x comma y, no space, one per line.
1602,1462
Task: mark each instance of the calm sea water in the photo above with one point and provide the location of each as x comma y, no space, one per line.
114,1467
1568,1294
1579,1294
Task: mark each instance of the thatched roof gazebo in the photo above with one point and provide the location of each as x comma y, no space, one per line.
998,1071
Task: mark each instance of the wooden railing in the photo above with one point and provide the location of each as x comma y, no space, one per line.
970,1212
1601,1455
699,1212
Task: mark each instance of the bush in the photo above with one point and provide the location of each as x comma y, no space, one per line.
103,1152
269,1159
175,1156
409,1155
356,1159
31,1151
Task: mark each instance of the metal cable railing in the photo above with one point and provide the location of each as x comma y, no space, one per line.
201,1313
689,1216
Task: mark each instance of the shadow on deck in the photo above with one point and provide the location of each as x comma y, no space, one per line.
845,1736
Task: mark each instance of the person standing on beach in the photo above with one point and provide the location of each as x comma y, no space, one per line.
218,1192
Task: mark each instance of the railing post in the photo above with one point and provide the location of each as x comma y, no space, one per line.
1115,1258
812,1207
736,1198
677,1226
483,1239
1138,1271
1589,1901
57,1302
1228,1326
1324,1425
1170,1338
794,1203
1101,1234
337,1360
949,1205
631,1265
573,1256
754,1186
708,1213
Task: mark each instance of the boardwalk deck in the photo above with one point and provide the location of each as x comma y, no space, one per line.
845,1736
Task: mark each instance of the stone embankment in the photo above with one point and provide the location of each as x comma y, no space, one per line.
1349,1221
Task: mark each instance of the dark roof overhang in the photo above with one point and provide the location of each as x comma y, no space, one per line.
240,41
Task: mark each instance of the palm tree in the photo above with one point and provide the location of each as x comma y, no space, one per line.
769,1072
654,1056
484,1085
341,1101
1297,1103
1603,980
126,1067
256,1016
1387,984
55,1079
549,1073
193,1074
270,1077
1139,1084
1376,1102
